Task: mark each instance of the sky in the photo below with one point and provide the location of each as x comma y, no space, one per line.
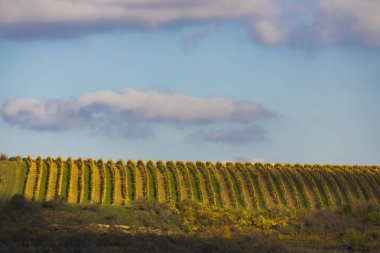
246,80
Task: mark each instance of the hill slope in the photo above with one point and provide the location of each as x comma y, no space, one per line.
231,185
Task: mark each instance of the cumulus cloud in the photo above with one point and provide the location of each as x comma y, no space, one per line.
232,135
129,112
270,22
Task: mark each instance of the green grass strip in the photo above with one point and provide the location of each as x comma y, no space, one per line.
102,182
341,188
277,187
236,187
314,197
131,183
44,174
205,182
140,166
197,195
216,187
267,180
363,189
123,177
293,200
152,187
36,182
108,176
299,188
248,184
353,186
65,180
174,191
276,184
256,184
375,174
331,184
319,188
87,184
186,179
24,170
9,179
80,167
374,186
227,187
165,180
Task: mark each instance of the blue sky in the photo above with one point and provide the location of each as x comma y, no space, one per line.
191,80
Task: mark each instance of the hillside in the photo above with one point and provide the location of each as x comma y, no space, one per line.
231,185
87,206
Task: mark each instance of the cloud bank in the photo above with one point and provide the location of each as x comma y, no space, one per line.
132,113
269,22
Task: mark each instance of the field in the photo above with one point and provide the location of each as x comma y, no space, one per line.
12,176
241,186
81,205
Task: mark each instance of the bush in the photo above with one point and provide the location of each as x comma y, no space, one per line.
53,204
374,218
18,201
3,157
354,240
96,208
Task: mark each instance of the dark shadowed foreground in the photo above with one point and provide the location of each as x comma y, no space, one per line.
188,227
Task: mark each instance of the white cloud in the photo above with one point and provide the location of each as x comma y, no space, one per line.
29,18
269,33
270,22
146,12
349,21
129,108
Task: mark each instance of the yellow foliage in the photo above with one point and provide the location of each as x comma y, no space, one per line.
31,179
139,182
40,168
266,223
95,183
50,195
118,197
73,189
81,169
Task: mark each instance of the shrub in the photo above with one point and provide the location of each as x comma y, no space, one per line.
354,240
374,217
53,204
17,201
3,157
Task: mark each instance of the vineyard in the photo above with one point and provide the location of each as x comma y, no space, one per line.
238,185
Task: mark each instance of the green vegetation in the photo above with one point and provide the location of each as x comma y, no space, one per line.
151,169
146,226
65,181
87,183
173,182
215,185
236,185
131,182
109,179
197,195
187,207
44,173
23,170
231,186
12,176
